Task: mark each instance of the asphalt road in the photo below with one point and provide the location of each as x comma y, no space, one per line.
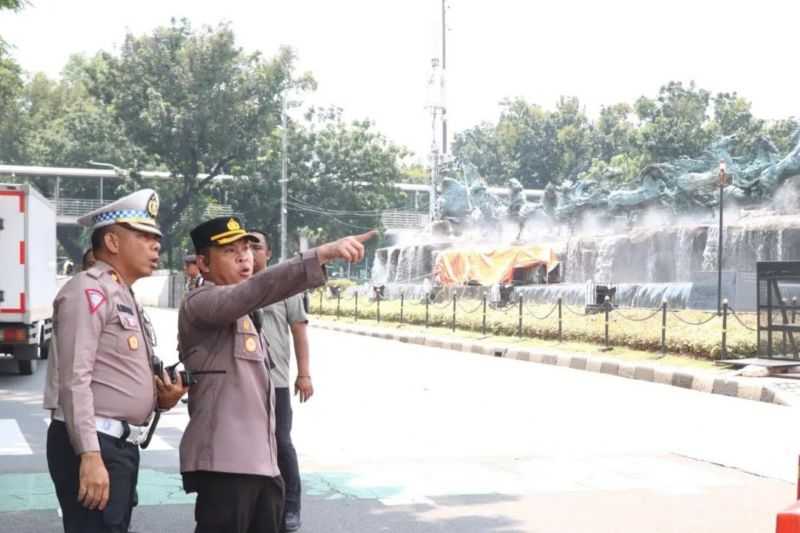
407,438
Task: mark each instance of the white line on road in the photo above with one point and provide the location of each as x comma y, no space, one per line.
157,444
12,441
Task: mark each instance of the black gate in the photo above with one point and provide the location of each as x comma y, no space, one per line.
778,290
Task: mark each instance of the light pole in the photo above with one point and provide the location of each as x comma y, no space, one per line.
723,181
118,171
284,185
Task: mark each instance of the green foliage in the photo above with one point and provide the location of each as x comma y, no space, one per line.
537,146
11,107
781,132
195,103
340,176
14,5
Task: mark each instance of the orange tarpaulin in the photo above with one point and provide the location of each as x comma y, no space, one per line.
488,266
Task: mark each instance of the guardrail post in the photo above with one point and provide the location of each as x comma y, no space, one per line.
321,293
664,327
724,351
378,303
784,303
427,313
338,303
794,308
560,317
607,312
402,302
356,313
483,325
453,323
519,321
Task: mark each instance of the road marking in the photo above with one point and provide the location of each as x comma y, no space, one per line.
158,444
32,492
12,441
177,421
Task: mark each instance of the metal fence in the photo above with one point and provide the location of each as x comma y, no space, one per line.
77,207
458,310
404,219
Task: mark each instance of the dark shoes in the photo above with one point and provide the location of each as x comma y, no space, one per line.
291,522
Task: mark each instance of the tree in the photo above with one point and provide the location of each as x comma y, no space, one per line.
196,104
782,133
614,131
575,137
733,116
480,146
675,123
65,126
11,108
341,176
14,5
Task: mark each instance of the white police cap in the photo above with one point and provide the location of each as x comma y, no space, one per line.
138,210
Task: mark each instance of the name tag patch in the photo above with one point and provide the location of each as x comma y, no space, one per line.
129,321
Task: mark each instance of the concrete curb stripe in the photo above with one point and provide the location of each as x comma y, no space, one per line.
682,379
726,387
578,363
609,367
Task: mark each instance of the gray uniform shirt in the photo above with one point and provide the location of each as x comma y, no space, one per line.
232,411
277,319
101,364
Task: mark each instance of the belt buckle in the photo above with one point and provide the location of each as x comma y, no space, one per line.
137,435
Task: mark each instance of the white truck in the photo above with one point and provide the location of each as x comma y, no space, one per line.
27,274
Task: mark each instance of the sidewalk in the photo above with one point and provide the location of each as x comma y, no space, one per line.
710,380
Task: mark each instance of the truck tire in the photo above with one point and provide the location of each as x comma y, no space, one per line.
27,367
44,350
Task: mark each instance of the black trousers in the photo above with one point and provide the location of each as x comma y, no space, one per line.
236,503
287,456
122,462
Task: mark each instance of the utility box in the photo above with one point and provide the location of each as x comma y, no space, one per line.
28,281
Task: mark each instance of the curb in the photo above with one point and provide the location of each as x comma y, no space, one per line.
754,389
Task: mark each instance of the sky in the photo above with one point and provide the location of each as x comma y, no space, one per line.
372,57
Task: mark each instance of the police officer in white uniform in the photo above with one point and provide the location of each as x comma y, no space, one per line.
100,384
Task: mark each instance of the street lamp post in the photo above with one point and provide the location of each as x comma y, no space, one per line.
284,184
723,181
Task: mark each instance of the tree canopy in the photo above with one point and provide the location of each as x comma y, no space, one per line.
192,103
538,146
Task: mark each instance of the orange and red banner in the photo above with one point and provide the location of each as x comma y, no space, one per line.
488,266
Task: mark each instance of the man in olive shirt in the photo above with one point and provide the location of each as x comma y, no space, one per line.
228,452
100,384
278,319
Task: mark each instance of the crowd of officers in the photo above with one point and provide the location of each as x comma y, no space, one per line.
105,388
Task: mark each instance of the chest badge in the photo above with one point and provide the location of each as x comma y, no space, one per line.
133,342
250,344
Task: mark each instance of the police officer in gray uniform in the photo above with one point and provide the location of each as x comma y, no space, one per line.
100,383
228,451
